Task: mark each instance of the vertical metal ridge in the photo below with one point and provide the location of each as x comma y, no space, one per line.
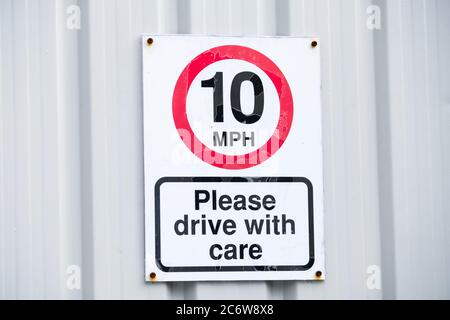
47,88
442,70
332,256
113,175
29,191
86,166
196,24
93,103
22,154
434,43
405,204
2,168
384,145
401,200
167,16
266,17
429,48
283,18
236,18
367,128
149,15
123,82
210,17
36,266
358,143
423,152
12,279
184,16
67,147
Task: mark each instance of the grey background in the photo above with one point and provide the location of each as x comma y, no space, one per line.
71,149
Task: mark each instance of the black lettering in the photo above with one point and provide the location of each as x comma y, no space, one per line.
268,223
253,226
217,84
235,97
184,223
225,202
285,221
254,201
240,203
276,221
211,252
193,224
255,251
199,200
214,200
214,229
230,252
242,248
269,202
218,141
229,227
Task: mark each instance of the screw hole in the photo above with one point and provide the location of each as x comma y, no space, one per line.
149,41
314,44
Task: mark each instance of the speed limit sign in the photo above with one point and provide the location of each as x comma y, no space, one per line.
240,136
233,158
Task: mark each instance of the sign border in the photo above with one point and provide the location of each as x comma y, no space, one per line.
164,268
237,52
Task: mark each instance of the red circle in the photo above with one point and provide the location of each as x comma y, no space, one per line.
182,123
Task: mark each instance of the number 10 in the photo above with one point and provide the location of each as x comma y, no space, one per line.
258,91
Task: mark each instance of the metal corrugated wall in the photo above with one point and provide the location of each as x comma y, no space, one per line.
71,145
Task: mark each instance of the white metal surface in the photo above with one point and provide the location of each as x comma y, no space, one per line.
276,128
71,149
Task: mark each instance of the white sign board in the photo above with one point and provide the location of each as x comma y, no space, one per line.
233,159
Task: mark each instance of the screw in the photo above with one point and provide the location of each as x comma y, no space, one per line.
318,274
152,276
314,44
149,41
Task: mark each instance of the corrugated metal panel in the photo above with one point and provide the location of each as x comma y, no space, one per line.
414,137
71,170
